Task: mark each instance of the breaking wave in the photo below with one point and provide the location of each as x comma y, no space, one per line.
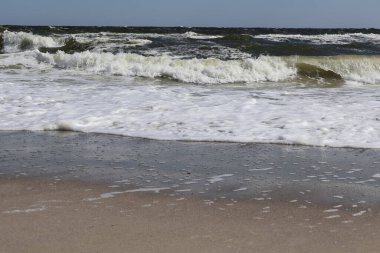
66,52
197,36
339,39
351,69
83,79
21,41
201,71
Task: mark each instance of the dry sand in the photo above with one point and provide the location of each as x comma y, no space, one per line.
46,216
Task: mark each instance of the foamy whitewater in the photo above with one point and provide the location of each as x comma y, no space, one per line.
194,84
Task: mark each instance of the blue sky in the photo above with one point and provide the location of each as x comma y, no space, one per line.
231,13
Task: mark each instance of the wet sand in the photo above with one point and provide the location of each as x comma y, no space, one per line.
41,216
100,193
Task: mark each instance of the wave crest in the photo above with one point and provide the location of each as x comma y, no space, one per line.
353,69
339,39
201,71
350,69
65,52
21,41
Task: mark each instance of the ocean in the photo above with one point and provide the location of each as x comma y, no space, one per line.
318,87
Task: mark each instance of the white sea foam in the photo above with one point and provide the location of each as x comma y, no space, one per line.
332,217
108,195
197,36
322,117
13,41
29,210
323,38
359,213
263,169
211,71
241,189
218,178
138,42
356,70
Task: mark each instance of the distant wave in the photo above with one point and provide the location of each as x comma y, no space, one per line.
193,35
346,38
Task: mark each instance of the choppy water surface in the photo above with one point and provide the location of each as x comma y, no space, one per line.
303,86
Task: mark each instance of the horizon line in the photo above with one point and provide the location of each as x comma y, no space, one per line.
181,26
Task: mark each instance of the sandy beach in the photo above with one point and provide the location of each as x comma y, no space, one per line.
43,216
73,192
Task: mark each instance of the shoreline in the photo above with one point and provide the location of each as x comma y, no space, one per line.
230,170
66,192
67,130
